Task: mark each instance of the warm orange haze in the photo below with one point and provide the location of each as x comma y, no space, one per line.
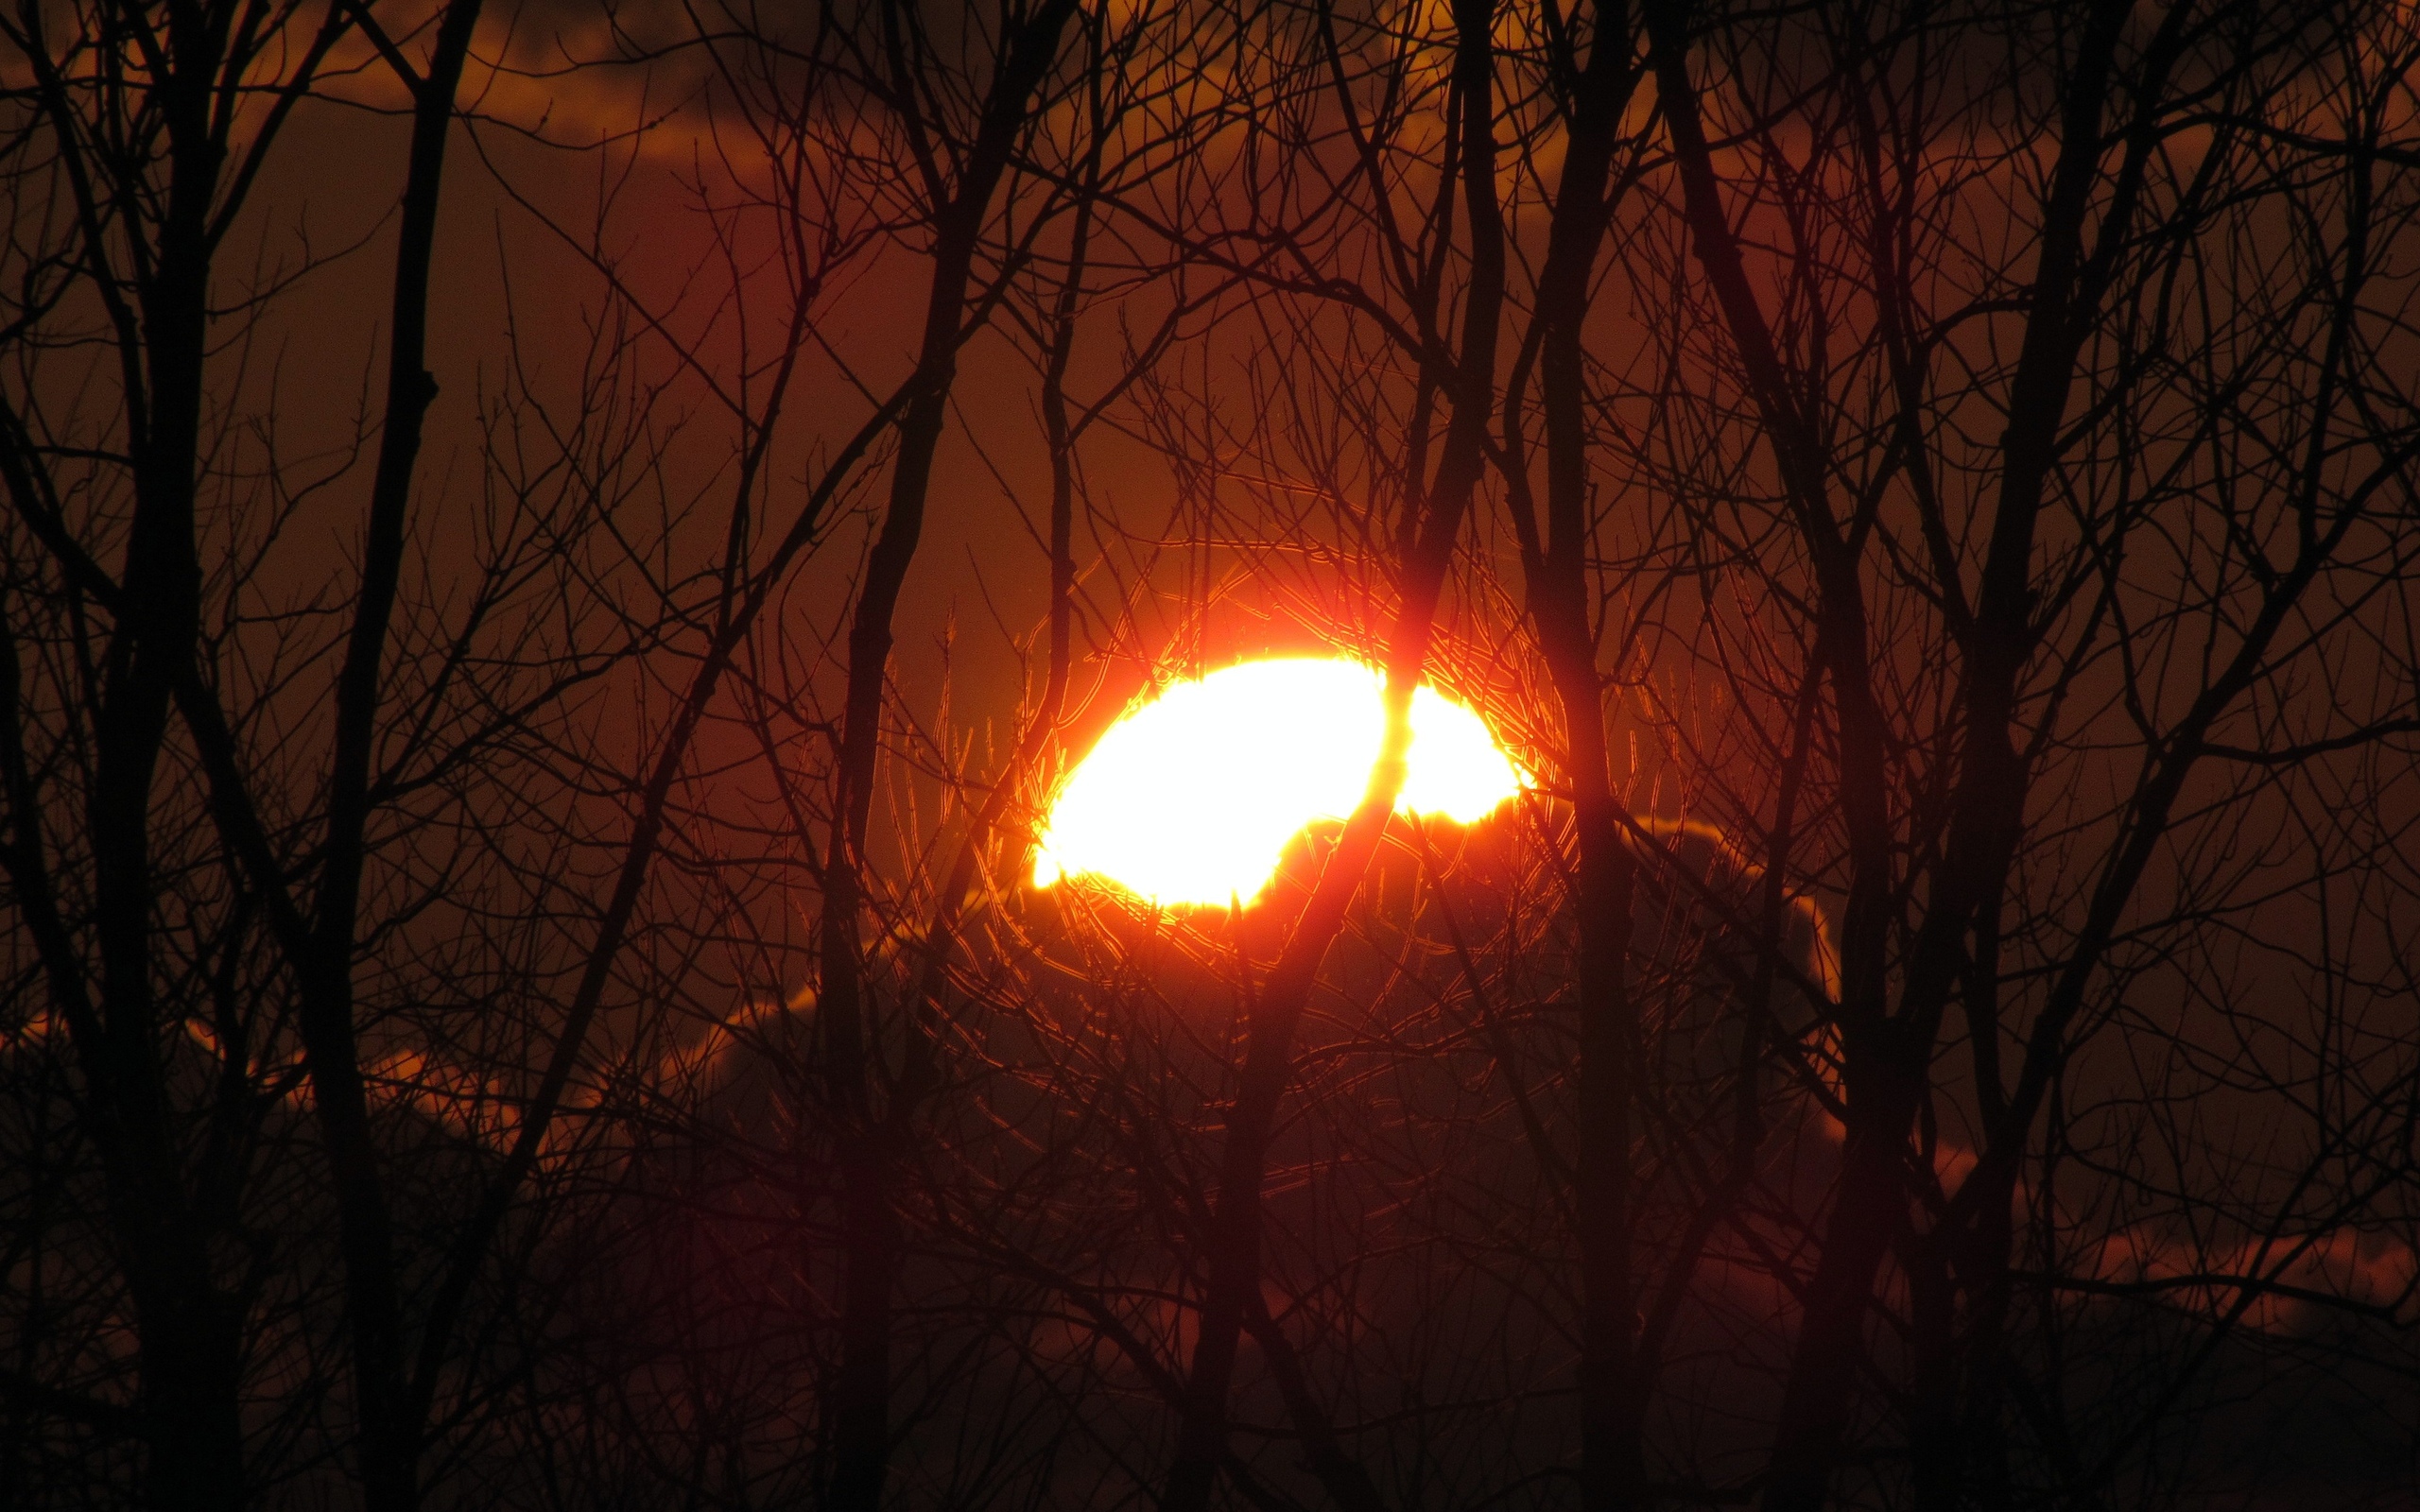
1191,796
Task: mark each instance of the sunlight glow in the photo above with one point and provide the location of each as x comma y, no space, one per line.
1192,797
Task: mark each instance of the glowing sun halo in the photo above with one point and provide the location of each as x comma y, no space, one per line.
1192,797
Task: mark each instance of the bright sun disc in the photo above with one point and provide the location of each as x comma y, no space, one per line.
1192,797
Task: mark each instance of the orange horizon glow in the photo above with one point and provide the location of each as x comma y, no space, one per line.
1191,797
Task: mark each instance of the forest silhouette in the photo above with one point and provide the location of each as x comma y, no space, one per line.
556,557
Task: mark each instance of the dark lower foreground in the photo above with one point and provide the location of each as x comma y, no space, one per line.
2272,1428
672,1342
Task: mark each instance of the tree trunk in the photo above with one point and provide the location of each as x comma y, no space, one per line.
388,1421
1613,1475
192,1387
871,1243
187,1327
1233,1245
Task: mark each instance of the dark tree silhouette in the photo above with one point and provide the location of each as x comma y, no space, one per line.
525,983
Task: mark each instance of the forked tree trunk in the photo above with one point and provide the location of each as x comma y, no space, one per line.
1886,1054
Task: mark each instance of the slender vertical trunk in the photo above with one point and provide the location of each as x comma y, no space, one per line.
187,1327
1233,1245
1934,1449
1819,1393
1959,1287
1058,436
1820,1397
1234,1241
871,1245
388,1423
1613,1473
1982,1275
1612,1467
860,1419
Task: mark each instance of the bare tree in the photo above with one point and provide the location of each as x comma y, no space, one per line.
1983,615
540,996
140,138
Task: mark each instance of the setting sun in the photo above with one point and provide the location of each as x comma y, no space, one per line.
1192,797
